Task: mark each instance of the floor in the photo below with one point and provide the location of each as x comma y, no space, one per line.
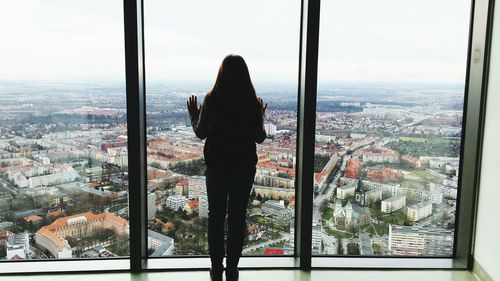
263,275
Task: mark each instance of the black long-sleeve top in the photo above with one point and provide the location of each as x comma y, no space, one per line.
230,141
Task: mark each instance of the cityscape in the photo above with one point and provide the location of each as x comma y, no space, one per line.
387,161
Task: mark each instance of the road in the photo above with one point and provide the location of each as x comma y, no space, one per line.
285,236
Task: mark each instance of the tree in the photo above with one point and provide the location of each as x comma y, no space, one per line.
253,194
340,247
259,197
352,249
323,206
155,165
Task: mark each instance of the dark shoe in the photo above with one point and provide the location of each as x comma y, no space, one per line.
232,274
216,274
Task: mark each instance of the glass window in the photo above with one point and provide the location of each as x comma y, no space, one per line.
63,131
184,48
390,102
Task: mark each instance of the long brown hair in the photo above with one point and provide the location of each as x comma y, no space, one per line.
233,96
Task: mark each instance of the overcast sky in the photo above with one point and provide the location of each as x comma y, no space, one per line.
360,40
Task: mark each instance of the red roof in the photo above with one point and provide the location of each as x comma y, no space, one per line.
33,218
193,203
183,183
273,251
17,257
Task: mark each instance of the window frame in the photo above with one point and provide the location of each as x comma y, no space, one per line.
472,133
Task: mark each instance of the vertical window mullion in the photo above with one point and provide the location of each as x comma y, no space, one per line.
306,129
473,124
134,65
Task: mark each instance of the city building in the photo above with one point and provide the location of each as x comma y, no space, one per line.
151,205
440,162
161,245
176,202
4,235
381,155
18,246
393,204
98,195
191,205
270,129
419,211
196,186
412,161
449,192
53,237
383,175
317,240
352,169
350,215
346,181
346,191
203,205
414,241
366,197
274,181
277,209
56,178
58,198
182,188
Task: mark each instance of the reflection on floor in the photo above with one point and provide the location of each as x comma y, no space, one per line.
263,275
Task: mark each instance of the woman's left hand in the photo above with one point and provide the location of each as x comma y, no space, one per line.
263,106
192,106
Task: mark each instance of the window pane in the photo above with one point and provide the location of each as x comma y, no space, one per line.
63,130
389,123
184,48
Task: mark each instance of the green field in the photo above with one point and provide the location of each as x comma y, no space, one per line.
398,217
413,139
328,214
436,147
337,233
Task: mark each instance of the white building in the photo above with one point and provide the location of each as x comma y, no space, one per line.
270,129
420,195
203,205
316,239
273,181
439,162
151,205
277,209
393,204
175,202
419,211
196,186
449,192
42,159
346,191
19,179
161,244
50,179
414,241
18,246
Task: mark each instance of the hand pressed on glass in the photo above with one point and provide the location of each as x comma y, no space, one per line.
192,106
263,106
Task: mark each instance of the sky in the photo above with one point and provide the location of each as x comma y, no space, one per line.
360,40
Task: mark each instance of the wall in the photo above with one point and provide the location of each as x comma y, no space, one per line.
487,247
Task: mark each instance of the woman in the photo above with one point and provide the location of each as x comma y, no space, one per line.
231,120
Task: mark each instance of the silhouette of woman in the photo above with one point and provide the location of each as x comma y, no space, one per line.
231,120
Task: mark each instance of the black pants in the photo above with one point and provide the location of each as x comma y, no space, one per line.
227,191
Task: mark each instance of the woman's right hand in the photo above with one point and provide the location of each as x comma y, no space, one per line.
263,106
